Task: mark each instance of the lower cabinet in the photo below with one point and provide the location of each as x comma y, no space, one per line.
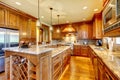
101,71
56,66
81,50
108,75
84,51
59,63
94,60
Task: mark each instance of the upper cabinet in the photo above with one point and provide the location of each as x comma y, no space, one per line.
2,17
97,26
32,27
56,35
13,20
85,30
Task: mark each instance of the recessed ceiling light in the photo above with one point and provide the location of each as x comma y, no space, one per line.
67,21
95,9
85,7
84,19
42,16
18,3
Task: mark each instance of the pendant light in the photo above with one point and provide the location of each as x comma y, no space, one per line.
58,30
38,24
51,28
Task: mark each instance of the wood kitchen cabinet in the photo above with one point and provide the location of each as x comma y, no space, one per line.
12,20
23,27
55,34
2,17
81,50
94,60
85,30
97,26
84,51
59,63
76,50
56,66
33,29
66,58
108,75
100,70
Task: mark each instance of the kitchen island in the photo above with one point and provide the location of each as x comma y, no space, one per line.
35,63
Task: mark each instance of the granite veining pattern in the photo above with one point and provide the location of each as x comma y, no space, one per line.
33,50
111,59
59,50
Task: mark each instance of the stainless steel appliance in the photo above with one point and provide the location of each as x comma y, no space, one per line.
109,14
8,38
99,42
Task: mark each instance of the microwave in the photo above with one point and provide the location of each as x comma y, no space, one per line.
118,9
109,14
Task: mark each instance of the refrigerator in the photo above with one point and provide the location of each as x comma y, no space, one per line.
8,38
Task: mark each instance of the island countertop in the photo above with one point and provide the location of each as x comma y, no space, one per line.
59,50
111,59
33,50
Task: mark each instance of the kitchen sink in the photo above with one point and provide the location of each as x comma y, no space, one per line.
99,48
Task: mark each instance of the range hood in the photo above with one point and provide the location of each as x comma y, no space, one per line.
69,28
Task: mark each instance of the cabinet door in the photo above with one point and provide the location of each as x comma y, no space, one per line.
109,75
23,27
76,50
45,68
83,31
97,26
2,17
84,51
100,70
12,20
33,29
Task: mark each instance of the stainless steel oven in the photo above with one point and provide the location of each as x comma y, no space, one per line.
109,14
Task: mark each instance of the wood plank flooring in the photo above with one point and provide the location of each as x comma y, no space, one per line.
80,68
2,76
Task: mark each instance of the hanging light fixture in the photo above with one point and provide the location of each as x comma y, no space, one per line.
38,24
58,30
69,28
51,28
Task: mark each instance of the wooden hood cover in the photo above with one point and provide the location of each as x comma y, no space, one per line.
69,28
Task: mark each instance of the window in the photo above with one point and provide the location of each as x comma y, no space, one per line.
118,40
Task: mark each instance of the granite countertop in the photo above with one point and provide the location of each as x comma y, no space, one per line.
59,50
34,50
111,59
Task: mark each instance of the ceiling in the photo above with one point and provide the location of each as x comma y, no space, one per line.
69,10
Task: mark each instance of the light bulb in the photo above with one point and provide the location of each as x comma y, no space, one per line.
51,28
58,30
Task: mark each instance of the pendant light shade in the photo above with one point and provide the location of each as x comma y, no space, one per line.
38,24
51,28
69,28
58,30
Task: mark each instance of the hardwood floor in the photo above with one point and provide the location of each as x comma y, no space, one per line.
2,76
80,68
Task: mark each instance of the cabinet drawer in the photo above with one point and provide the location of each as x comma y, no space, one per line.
56,66
57,75
56,58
